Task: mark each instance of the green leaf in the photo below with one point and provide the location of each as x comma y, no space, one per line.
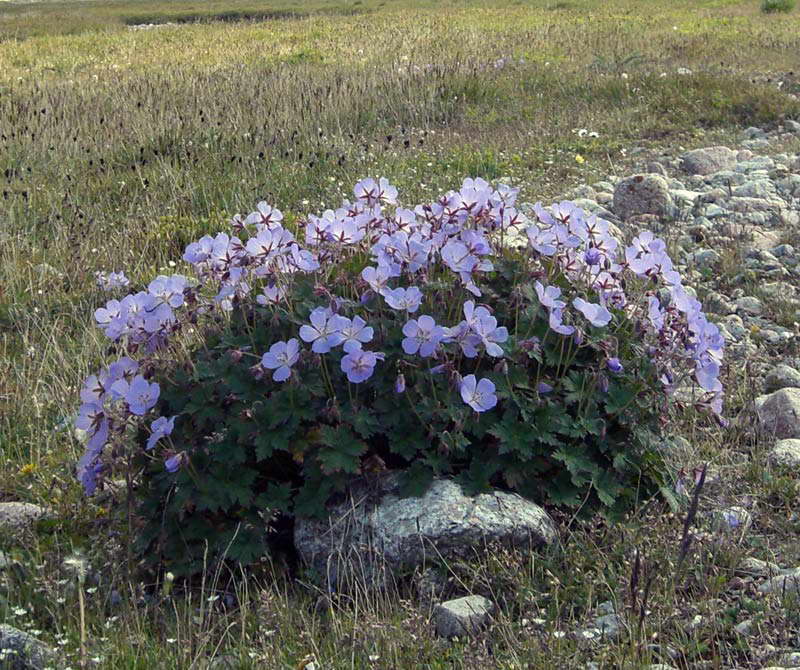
607,487
343,452
415,481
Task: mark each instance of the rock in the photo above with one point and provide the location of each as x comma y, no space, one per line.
609,625
792,126
755,567
782,376
18,516
782,585
705,257
642,194
732,519
463,616
708,160
375,530
749,305
779,413
21,651
790,660
744,628
762,189
654,167
785,453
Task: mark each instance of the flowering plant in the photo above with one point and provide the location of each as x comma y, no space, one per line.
522,347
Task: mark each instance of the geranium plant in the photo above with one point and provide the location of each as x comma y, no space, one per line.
520,347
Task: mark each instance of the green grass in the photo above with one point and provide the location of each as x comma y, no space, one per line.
119,146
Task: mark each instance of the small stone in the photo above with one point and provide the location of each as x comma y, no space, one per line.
755,567
782,585
790,660
785,453
462,616
779,413
22,651
708,160
744,628
782,376
654,167
732,519
17,516
792,126
610,625
749,305
642,194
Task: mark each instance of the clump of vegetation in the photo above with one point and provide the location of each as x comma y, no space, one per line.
771,6
462,337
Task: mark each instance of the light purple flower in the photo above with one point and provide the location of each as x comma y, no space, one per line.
161,427
356,331
173,463
376,277
281,357
593,256
169,290
422,335
557,325
480,395
654,313
597,315
371,191
548,296
407,299
140,394
358,364
400,383
614,365
112,280
324,331
544,388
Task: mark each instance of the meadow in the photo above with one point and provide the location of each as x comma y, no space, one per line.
120,144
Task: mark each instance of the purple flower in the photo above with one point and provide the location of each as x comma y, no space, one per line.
543,388
90,416
593,256
614,365
548,296
478,394
358,364
168,290
372,192
654,313
173,463
407,299
161,427
376,277
422,335
400,383
324,330
139,394
112,280
557,325
280,357
597,315
356,331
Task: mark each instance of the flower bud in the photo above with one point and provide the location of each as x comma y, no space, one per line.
400,383
236,355
614,365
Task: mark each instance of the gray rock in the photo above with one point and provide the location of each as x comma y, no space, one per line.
22,651
782,585
779,413
785,453
714,211
708,160
642,194
463,616
782,376
792,126
755,567
763,189
754,133
430,585
744,628
705,257
654,167
376,531
610,625
790,660
18,516
749,305
736,519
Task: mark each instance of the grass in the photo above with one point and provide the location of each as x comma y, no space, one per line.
118,146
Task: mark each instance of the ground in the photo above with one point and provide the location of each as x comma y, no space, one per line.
128,129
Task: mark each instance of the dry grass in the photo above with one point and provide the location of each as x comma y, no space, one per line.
117,147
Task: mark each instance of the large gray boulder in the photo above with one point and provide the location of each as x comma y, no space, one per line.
785,453
782,376
21,651
642,194
779,413
708,160
375,533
